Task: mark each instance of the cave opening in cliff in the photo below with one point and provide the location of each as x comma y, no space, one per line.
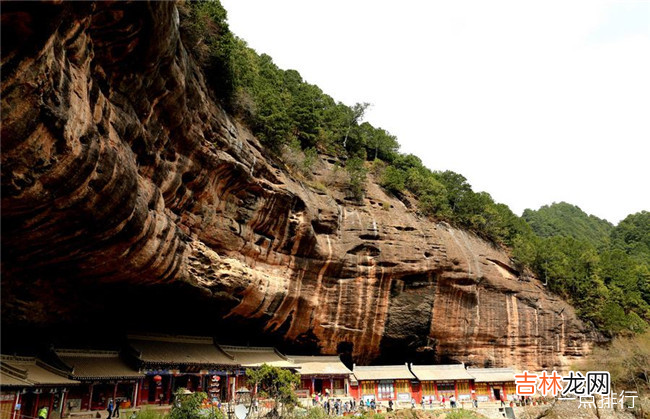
101,316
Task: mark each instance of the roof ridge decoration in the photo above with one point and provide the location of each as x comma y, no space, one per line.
250,348
315,358
198,340
17,358
13,371
87,353
383,367
51,369
441,366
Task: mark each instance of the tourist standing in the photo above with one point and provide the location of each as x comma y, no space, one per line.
452,402
390,405
110,408
412,402
116,410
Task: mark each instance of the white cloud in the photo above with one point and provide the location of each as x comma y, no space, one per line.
532,102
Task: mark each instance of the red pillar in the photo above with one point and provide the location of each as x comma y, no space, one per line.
36,403
169,388
141,393
435,388
49,408
456,389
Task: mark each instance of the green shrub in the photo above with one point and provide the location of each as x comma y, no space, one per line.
357,177
188,406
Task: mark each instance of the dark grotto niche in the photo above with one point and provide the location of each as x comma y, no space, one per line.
102,315
344,350
409,320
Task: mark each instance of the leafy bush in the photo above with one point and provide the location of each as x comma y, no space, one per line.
357,174
393,179
187,406
205,31
275,383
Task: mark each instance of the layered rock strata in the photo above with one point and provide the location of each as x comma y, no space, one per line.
119,169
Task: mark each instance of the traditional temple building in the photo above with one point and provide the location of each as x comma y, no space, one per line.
322,374
152,367
438,381
253,357
171,362
383,383
103,375
493,383
28,384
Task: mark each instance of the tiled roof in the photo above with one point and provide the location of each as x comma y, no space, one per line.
179,350
482,375
8,380
32,371
382,372
255,356
440,372
88,365
319,365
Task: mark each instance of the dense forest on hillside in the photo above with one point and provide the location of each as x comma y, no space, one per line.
563,219
603,270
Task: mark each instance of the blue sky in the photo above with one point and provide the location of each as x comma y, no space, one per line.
533,102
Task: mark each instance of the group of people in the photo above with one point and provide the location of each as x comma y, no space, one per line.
443,402
337,407
333,406
113,408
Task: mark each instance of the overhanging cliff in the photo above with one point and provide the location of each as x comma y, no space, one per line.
130,199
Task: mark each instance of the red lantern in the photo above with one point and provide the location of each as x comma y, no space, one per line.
157,378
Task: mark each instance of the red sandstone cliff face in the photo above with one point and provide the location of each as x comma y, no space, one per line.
118,169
